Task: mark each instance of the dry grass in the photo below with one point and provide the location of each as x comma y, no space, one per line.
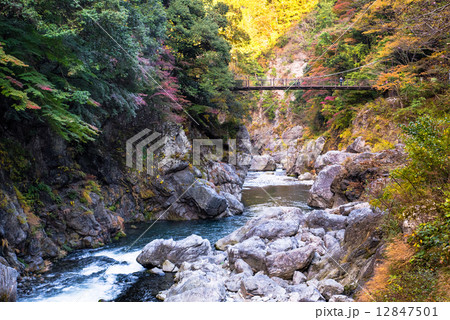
33,220
398,254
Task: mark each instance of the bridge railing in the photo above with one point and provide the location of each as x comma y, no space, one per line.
326,82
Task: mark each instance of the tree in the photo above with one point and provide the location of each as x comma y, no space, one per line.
266,21
80,62
201,54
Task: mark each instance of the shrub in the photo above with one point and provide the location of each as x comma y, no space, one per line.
420,191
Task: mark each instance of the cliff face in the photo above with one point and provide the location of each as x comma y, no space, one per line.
56,196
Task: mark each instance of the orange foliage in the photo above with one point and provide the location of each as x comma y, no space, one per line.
397,78
398,254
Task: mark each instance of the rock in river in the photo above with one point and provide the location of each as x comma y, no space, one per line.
263,163
189,249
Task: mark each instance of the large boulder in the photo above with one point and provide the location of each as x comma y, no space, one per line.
329,288
366,172
262,285
274,223
332,158
200,281
320,194
253,251
358,146
235,207
8,283
187,250
327,221
300,162
304,293
224,176
189,198
207,199
182,191
284,264
271,229
362,229
263,163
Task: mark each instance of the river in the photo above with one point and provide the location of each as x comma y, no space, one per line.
112,273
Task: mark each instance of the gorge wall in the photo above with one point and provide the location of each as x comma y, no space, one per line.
56,197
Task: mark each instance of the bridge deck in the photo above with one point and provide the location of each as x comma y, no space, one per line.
303,87
302,84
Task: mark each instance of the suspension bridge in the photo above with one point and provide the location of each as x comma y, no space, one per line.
302,84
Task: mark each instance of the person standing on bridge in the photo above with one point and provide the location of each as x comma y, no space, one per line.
341,81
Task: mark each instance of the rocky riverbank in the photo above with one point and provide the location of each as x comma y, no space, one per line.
283,255
55,198
287,254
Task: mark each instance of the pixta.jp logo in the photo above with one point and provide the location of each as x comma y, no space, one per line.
143,146
144,142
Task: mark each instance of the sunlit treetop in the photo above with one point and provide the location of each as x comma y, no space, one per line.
265,21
